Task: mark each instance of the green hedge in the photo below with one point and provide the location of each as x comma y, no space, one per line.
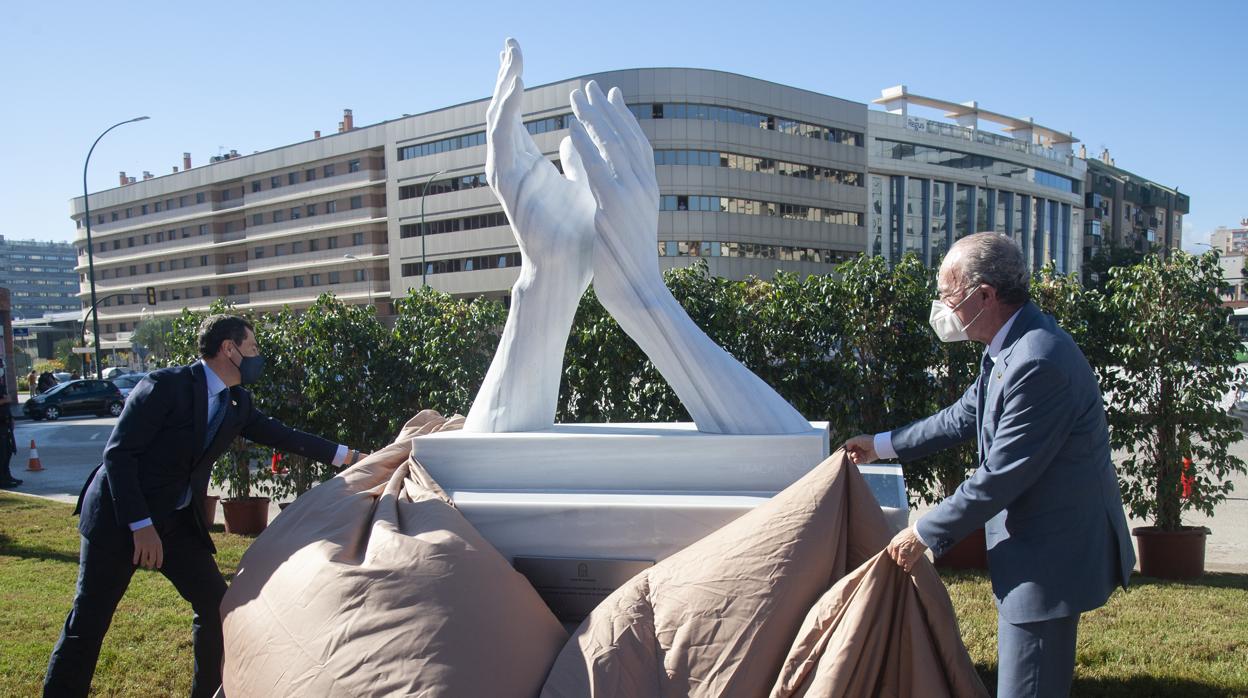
851,348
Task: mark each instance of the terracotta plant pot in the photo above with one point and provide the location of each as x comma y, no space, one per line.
1171,554
246,517
210,510
970,553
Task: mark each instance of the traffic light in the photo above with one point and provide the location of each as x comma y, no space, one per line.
151,295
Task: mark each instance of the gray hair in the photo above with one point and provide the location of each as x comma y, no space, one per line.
996,260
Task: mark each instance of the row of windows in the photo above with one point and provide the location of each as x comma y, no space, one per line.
931,155
42,270
280,283
450,225
752,250
751,207
279,250
469,140
769,122
749,163
326,207
227,194
477,263
38,257
41,282
443,186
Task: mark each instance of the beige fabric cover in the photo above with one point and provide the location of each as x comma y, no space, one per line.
373,584
718,618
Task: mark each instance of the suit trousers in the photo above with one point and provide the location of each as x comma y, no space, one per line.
1036,659
103,575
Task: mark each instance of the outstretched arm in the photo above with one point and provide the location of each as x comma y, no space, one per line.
552,217
721,395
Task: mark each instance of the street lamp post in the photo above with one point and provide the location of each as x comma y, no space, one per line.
367,276
423,269
86,207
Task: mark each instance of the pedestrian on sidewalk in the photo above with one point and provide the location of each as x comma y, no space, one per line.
143,506
8,447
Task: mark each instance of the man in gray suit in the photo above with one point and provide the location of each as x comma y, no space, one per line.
1045,489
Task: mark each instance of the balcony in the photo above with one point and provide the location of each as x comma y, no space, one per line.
321,256
970,135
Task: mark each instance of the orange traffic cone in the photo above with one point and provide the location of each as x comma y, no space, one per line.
34,465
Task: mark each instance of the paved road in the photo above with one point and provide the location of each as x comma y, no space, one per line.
71,447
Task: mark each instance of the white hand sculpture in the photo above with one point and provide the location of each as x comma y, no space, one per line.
721,395
553,221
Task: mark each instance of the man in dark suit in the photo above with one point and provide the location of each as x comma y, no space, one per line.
1045,489
143,506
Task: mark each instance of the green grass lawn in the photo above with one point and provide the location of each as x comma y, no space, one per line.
1157,639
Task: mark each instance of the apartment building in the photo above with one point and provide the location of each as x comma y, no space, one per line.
1127,213
39,275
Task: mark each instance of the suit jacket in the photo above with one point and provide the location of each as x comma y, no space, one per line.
157,450
1045,489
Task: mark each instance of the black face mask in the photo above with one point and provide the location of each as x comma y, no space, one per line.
249,368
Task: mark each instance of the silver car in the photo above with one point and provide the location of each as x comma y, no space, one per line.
126,382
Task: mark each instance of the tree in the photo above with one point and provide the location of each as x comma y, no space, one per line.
1172,352
151,340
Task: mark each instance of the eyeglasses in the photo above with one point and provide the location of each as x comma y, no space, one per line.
954,298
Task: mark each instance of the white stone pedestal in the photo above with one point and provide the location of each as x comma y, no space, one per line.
612,491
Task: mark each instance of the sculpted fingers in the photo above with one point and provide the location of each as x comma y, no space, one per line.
502,117
589,111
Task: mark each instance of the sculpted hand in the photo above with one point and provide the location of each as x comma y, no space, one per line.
861,449
905,548
148,550
720,394
552,217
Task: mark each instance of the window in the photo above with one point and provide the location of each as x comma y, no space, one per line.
203,260
114,214
275,182
147,268
164,295
255,186
205,291
357,202
143,210
311,210
309,175
134,270
160,266
257,219
292,178
314,245
225,194
279,250
129,211
296,247
353,166
314,280
229,259
358,274
331,243
203,229
199,197
277,216
157,207
262,285
116,244
295,213
258,253
298,281
328,170
129,242
230,289
333,277
147,239
357,239
182,201
331,207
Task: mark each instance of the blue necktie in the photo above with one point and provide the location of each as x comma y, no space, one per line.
214,423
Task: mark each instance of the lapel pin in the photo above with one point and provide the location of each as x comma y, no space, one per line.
232,402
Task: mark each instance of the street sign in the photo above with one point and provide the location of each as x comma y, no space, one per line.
82,350
21,331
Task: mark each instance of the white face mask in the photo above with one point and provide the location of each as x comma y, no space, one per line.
946,324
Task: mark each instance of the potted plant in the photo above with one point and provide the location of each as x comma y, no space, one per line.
245,514
1173,359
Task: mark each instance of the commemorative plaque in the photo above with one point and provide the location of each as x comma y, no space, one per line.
573,587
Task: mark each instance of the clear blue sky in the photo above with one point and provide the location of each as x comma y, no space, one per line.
1164,85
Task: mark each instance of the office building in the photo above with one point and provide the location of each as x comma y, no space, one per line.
39,275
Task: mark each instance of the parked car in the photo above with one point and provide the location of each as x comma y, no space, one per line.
126,382
76,397
113,371
62,376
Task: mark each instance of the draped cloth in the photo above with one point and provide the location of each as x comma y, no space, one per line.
373,584
795,598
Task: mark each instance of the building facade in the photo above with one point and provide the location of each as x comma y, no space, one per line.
933,182
754,177
40,276
1128,214
1231,240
